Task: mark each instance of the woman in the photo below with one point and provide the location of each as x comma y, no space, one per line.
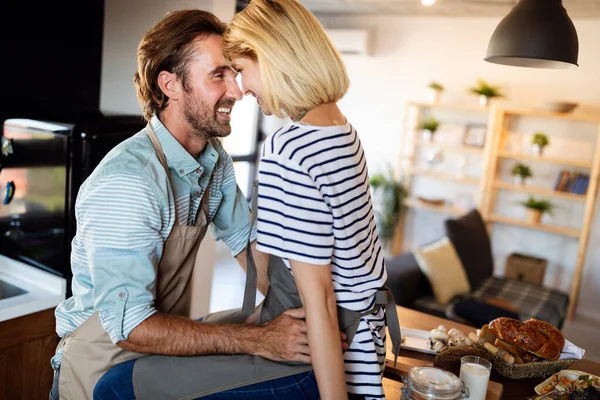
315,208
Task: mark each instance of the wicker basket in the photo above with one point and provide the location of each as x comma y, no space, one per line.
535,369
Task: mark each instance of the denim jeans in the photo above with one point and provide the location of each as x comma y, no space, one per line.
54,389
117,384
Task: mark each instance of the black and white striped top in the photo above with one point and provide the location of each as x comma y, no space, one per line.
314,206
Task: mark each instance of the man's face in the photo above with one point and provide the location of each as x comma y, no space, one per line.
251,80
210,90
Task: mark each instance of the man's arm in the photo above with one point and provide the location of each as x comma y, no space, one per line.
283,339
262,261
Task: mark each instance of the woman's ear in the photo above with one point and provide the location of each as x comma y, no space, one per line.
169,84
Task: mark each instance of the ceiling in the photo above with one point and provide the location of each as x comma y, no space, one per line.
458,8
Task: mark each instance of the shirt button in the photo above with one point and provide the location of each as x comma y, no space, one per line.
181,171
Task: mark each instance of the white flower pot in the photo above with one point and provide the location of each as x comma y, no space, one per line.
427,136
519,180
434,96
537,149
484,101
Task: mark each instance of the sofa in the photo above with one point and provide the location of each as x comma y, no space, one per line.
470,239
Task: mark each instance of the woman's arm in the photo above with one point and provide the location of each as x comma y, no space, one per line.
316,291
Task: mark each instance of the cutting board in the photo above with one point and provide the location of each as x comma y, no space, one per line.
392,386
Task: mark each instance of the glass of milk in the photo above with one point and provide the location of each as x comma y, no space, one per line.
475,374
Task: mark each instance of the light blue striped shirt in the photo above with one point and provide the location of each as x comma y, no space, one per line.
125,213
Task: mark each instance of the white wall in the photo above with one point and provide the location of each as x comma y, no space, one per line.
411,52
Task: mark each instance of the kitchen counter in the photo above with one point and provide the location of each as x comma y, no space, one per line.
26,290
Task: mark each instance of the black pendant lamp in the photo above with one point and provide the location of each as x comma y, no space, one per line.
535,34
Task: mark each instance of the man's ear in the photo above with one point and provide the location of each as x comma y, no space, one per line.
169,84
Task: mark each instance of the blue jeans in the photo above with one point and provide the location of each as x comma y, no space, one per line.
117,384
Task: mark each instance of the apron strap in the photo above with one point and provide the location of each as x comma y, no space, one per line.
385,297
251,275
163,161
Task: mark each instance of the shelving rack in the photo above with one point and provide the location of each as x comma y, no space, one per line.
493,155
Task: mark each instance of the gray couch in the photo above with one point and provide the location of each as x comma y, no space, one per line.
469,236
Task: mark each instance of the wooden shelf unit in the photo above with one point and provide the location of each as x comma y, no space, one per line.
493,184
408,154
537,190
490,183
560,230
444,176
447,209
550,160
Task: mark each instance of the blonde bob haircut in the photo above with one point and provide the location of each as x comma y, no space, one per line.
299,66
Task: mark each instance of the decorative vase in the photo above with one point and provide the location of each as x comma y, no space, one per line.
534,216
427,136
484,101
537,149
519,180
434,96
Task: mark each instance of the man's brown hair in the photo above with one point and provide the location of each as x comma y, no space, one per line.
168,47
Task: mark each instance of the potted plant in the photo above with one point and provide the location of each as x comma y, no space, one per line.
536,209
435,92
521,172
538,142
486,92
389,195
429,126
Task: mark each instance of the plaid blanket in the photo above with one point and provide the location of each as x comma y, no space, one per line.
531,301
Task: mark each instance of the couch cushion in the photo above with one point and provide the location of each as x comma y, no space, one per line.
405,279
531,300
472,243
444,271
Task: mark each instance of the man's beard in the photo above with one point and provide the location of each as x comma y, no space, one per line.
203,119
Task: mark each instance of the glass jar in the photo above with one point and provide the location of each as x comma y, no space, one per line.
429,383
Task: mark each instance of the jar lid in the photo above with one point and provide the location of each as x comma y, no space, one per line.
434,383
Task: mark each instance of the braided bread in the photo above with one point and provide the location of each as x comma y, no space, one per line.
530,336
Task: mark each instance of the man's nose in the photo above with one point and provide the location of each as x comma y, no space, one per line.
233,90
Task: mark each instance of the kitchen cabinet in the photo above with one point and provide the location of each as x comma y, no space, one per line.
27,344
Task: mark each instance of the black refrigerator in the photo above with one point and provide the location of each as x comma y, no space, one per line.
42,166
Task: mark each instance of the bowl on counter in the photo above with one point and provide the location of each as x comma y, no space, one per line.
559,106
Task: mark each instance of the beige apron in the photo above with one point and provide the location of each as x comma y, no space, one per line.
159,377
88,352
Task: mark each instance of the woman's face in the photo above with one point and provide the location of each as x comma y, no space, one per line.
251,82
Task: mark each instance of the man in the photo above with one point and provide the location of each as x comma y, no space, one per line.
141,217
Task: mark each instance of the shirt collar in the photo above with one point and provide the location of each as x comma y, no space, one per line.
178,159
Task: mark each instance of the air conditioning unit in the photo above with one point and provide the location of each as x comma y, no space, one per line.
351,41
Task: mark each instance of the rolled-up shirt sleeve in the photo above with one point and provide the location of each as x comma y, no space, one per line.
119,223
231,222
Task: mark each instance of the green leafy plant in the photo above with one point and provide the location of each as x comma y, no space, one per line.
540,139
436,86
391,194
521,170
430,124
539,205
484,89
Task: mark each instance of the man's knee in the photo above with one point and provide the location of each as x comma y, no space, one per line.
116,383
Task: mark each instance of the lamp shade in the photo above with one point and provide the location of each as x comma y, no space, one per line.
535,34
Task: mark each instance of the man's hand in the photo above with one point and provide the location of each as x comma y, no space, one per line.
285,338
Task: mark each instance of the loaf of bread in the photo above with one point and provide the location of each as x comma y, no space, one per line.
526,337
550,330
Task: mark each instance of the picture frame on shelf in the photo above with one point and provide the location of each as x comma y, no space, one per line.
474,135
